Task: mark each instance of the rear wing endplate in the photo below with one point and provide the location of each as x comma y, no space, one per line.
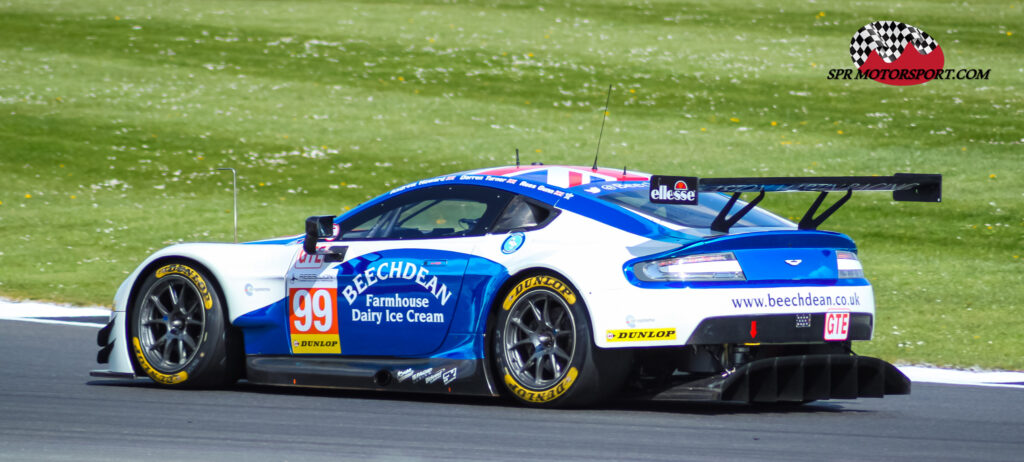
914,187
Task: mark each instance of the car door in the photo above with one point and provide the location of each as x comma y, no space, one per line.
397,290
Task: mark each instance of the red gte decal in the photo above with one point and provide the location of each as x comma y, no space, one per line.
307,261
837,325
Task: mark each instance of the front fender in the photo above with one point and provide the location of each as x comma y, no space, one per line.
249,276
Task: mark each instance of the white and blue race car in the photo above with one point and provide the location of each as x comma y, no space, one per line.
554,285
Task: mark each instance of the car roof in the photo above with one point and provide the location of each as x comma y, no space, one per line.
562,176
566,187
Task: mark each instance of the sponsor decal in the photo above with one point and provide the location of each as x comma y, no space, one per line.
404,374
435,376
800,299
396,270
313,277
734,188
837,325
617,186
307,261
169,379
250,289
673,190
641,335
632,321
539,281
449,375
429,375
317,342
396,301
422,374
542,396
377,317
312,321
896,53
794,262
512,243
190,273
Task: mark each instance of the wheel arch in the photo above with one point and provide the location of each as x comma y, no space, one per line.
513,279
156,263
495,307
137,285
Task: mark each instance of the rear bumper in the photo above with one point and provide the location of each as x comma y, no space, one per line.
697,316
796,379
775,328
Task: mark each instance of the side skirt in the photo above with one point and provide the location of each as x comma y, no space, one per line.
417,375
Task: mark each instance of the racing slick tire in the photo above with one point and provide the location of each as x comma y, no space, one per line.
543,350
177,329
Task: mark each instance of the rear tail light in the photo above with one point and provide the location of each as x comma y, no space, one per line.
849,265
702,267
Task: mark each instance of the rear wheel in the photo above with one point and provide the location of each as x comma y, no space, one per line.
178,331
543,348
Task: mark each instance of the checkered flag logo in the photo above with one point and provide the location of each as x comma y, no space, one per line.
889,39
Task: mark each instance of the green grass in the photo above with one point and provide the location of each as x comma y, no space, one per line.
113,115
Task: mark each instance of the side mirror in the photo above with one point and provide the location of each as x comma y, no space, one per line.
320,227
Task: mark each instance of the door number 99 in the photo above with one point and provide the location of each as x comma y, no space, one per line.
312,308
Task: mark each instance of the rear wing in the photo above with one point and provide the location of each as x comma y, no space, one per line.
915,187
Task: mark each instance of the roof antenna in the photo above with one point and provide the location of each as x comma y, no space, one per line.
517,157
605,117
623,170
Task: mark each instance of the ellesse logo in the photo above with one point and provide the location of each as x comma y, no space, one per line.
673,190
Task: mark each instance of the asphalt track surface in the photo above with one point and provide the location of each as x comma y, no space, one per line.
50,409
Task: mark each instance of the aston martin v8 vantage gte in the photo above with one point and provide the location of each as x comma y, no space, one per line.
554,285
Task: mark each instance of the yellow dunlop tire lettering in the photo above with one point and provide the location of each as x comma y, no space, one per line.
640,335
190,273
542,396
552,283
169,379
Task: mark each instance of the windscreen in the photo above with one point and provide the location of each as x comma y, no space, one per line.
634,196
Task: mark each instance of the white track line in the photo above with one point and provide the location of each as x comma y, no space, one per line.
33,311
1008,379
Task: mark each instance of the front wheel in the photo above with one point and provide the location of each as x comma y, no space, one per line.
178,332
543,348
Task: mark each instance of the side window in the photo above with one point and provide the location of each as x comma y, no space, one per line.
437,212
523,214
362,229
440,218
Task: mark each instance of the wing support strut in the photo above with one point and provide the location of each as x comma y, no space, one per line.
722,224
809,221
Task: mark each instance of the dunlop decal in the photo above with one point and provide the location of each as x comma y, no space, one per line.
190,273
552,283
153,373
541,396
316,344
640,335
